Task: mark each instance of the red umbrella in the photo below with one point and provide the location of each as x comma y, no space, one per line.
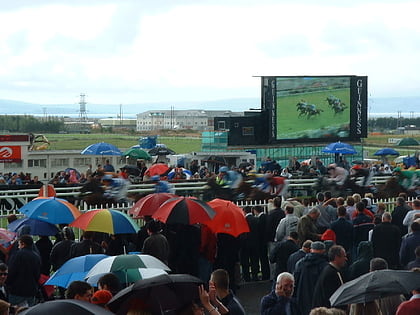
229,219
149,204
184,210
156,169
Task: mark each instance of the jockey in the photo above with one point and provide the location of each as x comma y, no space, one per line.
276,186
115,188
338,175
406,178
359,171
227,178
162,186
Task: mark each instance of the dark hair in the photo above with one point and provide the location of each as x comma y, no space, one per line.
247,209
294,235
416,203
416,251
277,202
154,226
289,209
88,235
111,282
341,211
350,201
320,196
259,209
27,240
3,267
335,250
378,263
360,206
77,288
327,194
415,226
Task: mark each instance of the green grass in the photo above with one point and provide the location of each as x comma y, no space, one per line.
290,125
180,144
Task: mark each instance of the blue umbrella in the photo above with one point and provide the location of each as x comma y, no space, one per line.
386,151
74,269
35,227
101,148
339,148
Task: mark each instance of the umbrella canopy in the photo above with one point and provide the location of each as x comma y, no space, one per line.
128,275
101,148
229,218
126,265
375,285
36,227
157,169
161,150
149,204
158,294
339,148
107,221
184,210
216,159
407,142
136,153
51,210
386,151
6,238
74,269
66,307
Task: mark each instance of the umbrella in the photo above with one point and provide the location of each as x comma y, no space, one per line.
408,142
229,219
107,221
184,210
186,172
51,210
128,275
101,148
158,294
136,153
161,150
157,169
6,238
126,265
375,285
66,307
386,151
339,148
216,159
149,204
74,269
36,227
131,170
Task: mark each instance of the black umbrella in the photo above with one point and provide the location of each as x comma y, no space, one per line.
132,170
66,307
216,159
375,285
161,151
157,294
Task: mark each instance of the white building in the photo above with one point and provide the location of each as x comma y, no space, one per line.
180,119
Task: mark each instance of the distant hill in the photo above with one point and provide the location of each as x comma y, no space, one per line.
377,107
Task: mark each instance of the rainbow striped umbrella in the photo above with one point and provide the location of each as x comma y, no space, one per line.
107,221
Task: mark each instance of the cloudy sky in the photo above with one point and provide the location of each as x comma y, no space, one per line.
137,51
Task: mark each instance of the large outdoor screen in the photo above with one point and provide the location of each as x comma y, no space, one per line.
315,108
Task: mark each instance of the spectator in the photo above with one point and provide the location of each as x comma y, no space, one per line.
280,300
86,246
4,291
399,213
156,244
343,230
220,295
287,224
412,306
298,255
361,264
249,250
362,224
262,241
306,227
409,244
24,273
282,251
386,241
108,167
79,290
412,264
109,282
101,298
409,217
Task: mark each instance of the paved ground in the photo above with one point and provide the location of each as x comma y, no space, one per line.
250,294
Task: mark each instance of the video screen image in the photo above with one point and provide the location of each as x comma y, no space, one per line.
312,107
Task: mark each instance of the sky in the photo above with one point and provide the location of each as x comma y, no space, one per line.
140,51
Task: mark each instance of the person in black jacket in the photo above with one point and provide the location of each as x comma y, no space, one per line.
262,242
282,251
86,246
249,249
24,273
4,292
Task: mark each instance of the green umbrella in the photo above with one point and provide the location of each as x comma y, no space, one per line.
135,153
408,142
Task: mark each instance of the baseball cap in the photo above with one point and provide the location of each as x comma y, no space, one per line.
101,297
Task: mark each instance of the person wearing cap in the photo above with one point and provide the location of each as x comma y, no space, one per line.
307,273
338,175
115,188
161,186
101,298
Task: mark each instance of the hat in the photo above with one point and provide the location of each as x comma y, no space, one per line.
318,245
101,297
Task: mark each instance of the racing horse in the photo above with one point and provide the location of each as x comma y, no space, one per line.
336,104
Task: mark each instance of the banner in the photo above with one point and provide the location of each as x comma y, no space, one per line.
10,153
